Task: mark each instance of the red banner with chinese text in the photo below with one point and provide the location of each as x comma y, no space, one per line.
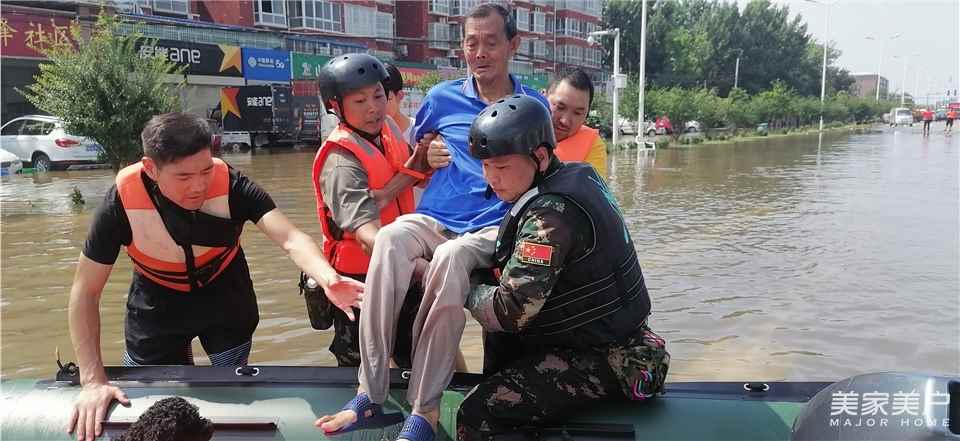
21,32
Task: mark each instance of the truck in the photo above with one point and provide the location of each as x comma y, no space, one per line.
267,115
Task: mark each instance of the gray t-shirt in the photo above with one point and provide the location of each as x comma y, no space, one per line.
346,191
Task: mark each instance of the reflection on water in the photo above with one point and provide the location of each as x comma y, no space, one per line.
777,259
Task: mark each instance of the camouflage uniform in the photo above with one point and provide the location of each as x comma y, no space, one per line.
532,385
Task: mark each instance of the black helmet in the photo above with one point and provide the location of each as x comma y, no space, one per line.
349,72
515,125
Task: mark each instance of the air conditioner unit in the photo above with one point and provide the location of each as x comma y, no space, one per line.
402,50
452,53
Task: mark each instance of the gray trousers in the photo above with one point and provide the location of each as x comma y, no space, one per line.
440,320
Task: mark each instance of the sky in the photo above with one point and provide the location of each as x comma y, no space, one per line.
929,38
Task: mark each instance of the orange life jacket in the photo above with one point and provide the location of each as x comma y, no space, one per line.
577,147
154,252
951,115
345,253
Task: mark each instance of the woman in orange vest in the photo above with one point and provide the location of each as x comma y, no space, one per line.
570,97
179,213
363,176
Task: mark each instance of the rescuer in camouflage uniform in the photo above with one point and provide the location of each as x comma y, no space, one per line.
566,322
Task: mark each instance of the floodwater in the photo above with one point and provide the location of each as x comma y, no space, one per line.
798,259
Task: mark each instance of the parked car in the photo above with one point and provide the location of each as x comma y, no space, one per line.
42,141
692,127
941,114
9,163
627,127
901,116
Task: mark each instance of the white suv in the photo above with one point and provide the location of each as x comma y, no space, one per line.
41,140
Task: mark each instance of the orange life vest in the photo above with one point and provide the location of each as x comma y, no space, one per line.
345,253
154,252
577,147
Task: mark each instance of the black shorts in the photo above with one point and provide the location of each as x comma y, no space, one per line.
949,123
161,324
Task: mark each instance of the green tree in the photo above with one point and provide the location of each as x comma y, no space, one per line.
102,89
426,82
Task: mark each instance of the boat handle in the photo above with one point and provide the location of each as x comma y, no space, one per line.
756,387
247,371
405,375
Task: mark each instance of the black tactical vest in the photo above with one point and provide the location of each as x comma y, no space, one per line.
600,297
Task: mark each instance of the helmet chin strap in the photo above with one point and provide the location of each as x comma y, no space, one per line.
537,174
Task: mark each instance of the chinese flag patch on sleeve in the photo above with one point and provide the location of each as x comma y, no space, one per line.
535,253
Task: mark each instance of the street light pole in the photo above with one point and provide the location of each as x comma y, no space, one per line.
883,42
616,75
903,84
641,127
823,75
736,71
616,91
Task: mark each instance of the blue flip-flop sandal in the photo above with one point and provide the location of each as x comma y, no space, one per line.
416,428
369,416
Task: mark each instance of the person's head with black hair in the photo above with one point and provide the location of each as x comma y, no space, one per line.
177,155
570,96
170,419
489,41
393,87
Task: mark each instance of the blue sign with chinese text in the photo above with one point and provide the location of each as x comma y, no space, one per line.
266,64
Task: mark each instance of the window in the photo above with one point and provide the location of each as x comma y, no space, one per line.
439,35
36,128
270,12
384,25
440,61
321,15
523,19
13,129
441,7
455,34
359,21
521,67
540,49
179,7
539,22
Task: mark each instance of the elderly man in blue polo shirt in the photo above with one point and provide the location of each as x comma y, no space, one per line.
455,229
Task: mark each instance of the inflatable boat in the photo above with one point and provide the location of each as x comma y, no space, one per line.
281,403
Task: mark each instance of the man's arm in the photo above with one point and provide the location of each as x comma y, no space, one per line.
343,292
96,395
417,163
547,234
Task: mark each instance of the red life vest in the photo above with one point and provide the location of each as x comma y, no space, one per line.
577,147
345,253
154,252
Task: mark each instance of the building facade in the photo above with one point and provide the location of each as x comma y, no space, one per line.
418,35
865,85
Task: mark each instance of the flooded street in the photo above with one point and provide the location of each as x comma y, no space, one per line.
773,259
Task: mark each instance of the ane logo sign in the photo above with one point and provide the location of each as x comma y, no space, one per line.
883,409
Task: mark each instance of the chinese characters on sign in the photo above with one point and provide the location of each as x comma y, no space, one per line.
26,35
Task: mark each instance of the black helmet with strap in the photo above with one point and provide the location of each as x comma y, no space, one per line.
518,124
349,72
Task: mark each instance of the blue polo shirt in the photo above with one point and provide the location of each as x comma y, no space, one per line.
456,196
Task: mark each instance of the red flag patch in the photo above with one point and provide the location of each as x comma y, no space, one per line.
535,253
